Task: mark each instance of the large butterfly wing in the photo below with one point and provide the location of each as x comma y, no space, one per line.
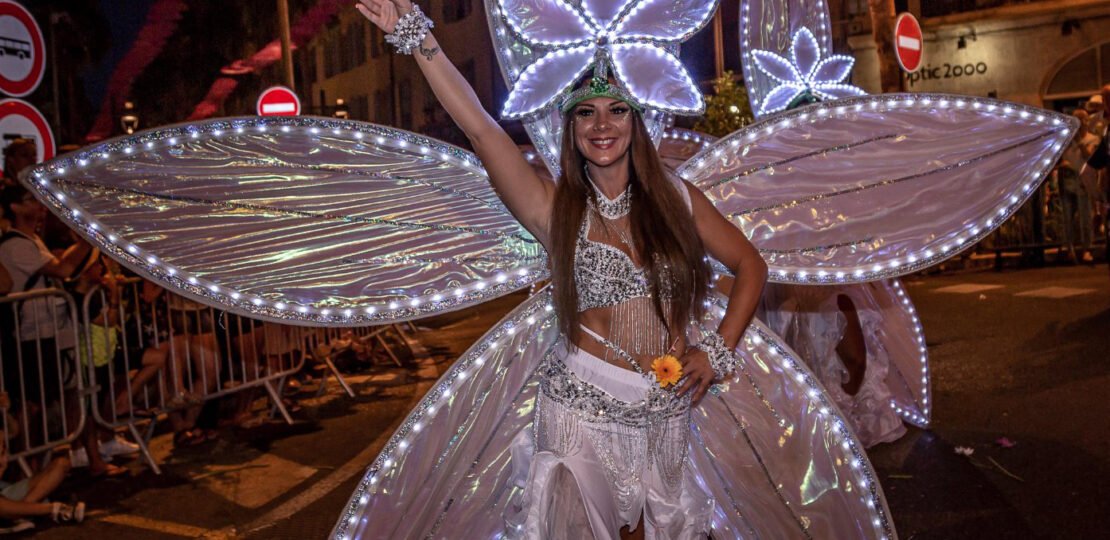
876,187
445,473
299,220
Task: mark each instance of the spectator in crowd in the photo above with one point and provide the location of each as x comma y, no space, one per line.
18,155
5,280
1075,202
25,498
1099,161
196,364
103,308
1096,110
1096,126
44,335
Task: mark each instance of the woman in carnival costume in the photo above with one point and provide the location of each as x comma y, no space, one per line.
606,455
541,429
630,275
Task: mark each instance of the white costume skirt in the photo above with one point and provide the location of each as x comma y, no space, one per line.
602,453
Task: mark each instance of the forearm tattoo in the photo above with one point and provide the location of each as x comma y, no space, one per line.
429,53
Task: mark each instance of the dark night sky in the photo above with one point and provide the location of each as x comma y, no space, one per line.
125,18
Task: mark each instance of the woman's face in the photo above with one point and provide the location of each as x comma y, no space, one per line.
602,129
29,209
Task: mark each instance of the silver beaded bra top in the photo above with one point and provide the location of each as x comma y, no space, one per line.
603,274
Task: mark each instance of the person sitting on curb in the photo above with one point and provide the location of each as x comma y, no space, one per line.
26,498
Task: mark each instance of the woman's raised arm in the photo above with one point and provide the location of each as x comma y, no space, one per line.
526,195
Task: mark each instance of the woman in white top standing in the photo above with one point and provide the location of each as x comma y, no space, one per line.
628,246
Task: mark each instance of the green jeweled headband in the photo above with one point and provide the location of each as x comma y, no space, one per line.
599,87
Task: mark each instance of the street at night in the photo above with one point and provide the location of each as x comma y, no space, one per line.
555,269
1019,355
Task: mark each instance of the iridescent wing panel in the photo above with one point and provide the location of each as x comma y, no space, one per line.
875,187
300,220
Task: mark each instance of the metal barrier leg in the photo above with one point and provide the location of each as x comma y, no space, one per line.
389,350
275,396
338,377
323,389
143,448
150,430
23,466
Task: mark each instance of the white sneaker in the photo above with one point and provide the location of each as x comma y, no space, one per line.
78,458
62,513
118,446
16,525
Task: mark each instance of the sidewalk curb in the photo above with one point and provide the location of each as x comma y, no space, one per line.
356,465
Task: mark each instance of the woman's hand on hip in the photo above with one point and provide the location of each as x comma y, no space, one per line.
698,374
384,13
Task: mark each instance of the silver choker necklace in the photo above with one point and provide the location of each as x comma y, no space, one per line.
611,208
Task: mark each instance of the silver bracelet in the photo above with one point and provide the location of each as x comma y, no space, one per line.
722,359
410,31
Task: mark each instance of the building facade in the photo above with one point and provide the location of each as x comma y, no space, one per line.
351,61
1051,53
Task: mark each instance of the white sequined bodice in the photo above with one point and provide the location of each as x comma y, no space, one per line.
604,275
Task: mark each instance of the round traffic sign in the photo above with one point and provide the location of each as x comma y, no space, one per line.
278,101
908,42
21,120
22,52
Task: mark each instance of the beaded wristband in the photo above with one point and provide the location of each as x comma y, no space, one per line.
410,31
722,359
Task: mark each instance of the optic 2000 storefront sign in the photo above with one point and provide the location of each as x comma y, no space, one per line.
947,70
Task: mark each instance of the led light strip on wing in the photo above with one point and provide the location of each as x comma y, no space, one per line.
49,181
1048,129
919,415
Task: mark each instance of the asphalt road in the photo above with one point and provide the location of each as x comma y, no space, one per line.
1023,355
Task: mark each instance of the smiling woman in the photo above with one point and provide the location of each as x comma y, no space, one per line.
602,129
630,274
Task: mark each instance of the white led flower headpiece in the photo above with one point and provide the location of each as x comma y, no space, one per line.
804,74
636,39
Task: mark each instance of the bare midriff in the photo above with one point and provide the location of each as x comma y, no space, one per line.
600,321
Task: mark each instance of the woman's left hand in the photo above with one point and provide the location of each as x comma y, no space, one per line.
698,374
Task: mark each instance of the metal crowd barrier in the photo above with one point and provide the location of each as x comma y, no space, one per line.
39,373
141,354
171,354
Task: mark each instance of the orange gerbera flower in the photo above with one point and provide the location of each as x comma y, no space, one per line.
667,370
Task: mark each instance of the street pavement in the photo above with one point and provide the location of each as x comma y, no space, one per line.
1020,356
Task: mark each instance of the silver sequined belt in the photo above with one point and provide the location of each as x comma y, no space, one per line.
593,404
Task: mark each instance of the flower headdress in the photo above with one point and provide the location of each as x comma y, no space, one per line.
636,39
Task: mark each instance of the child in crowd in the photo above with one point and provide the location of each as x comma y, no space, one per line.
27,497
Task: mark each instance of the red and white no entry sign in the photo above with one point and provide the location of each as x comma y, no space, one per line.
908,42
278,101
22,52
21,120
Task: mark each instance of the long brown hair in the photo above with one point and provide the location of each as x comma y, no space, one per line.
663,231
